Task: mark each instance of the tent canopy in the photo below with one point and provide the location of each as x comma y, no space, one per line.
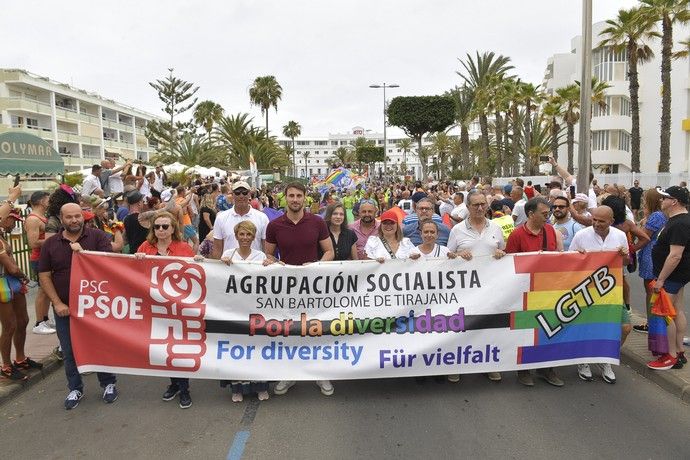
22,153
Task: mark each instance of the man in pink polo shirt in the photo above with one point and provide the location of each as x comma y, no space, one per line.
365,226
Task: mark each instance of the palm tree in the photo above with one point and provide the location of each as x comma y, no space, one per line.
627,32
292,130
570,103
668,12
440,147
530,96
206,113
480,74
343,155
464,115
265,92
551,112
406,146
424,155
193,150
305,154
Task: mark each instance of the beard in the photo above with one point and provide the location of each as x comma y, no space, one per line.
367,219
74,228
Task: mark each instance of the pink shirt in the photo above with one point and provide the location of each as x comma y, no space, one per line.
363,236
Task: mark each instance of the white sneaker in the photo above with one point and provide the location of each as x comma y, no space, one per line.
584,371
43,329
607,373
326,387
454,378
50,323
686,340
283,386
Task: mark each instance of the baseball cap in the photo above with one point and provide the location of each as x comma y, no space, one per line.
240,184
166,194
679,193
581,198
134,197
87,215
389,215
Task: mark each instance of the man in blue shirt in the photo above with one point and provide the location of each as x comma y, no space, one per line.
425,210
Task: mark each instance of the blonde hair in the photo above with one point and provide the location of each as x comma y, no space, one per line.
176,235
247,226
398,231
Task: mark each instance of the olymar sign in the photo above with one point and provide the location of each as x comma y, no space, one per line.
344,320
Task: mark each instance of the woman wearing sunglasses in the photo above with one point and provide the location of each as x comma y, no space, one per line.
165,239
390,244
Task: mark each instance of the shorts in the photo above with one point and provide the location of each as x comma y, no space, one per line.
673,287
625,315
189,232
33,264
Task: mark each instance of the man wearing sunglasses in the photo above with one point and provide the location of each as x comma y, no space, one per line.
224,227
563,221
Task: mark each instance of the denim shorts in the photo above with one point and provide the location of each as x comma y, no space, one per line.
33,264
673,287
189,232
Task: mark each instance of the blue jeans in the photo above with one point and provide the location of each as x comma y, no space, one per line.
73,378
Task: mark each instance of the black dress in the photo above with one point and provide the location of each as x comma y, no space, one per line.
343,248
203,228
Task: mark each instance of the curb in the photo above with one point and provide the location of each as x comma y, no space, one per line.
667,380
9,391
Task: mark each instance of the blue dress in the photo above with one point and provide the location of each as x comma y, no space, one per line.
655,222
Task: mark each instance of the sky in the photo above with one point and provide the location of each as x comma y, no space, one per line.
324,54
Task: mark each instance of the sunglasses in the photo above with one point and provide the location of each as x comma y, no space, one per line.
241,192
161,226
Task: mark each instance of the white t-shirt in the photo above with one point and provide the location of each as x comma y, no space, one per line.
460,211
519,213
464,237
91,184
438,251
591,199
588,240
445,208
145,188
375,249
115,183
158,182
405,205
235,256
224,227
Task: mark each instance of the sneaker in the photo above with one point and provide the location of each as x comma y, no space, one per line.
57,351
43,329
263,395
550,376
455,378
185,400
663,363
607,373
326,387
642,328
13,373
525,378
51,323
585,372
681,357
170,393
73,399
27,364
494,376
686,340
283,386
110,393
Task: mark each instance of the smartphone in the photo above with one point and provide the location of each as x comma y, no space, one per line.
544,158
16,180
572,192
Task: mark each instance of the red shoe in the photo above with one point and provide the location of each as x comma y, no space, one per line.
664,363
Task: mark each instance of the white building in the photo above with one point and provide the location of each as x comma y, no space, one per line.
312,153
82,126
611,127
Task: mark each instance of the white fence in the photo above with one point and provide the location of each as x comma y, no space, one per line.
646,180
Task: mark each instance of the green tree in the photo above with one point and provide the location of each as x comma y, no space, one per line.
530,97
405,145
344,155
292,130
669,12
481,73
265,92
569,97
463,98
441,146
177,96
206,114
627,33
420,115
192,150
551,112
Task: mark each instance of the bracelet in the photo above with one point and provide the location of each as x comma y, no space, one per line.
10,202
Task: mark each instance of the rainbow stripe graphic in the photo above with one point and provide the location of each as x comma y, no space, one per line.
594,332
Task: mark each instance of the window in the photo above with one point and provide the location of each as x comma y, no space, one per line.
320,142
334,142
318,171
625,107
600,140
302,142
599,111
603,61
344,143
623,141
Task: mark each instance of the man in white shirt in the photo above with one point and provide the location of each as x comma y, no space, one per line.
224,227
405,203
601,236
518,214
460,211
92,183
161,177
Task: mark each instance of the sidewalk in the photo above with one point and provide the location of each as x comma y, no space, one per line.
634,354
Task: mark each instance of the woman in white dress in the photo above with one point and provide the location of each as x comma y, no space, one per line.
390,244
429,248
245,232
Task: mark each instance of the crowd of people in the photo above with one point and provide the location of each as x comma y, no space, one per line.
143,214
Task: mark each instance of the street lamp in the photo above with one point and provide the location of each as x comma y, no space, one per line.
385,120
584,159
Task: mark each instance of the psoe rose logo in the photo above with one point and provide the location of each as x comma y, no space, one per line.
178,282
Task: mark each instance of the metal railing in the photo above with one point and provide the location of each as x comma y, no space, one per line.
20,246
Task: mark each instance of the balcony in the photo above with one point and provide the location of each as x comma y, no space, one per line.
44,133
67,136
112,124
27,105
88,118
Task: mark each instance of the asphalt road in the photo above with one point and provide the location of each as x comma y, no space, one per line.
396,418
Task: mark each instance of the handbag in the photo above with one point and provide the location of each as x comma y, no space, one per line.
9,287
